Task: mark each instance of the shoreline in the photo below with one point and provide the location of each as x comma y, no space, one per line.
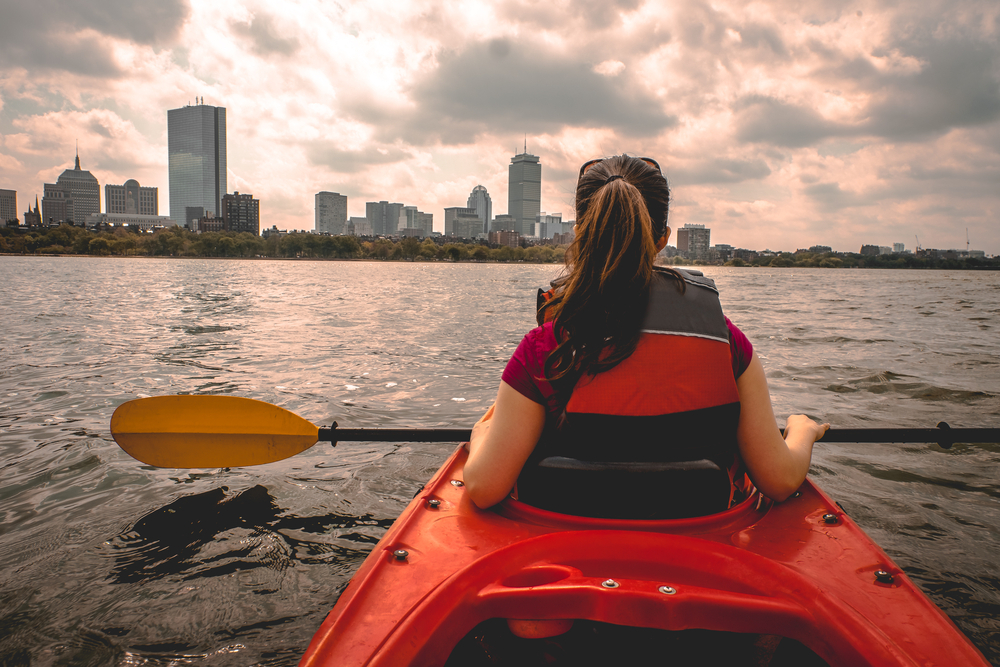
488,261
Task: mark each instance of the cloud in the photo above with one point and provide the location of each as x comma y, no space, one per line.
958,85
509,85
264,37
723,171
561,14
772,121
330,155
71,35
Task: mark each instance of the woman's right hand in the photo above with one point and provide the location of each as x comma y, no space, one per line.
804,428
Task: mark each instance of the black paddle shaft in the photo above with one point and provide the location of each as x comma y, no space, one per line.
943,435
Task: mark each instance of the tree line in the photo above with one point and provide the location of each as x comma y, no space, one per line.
180,242
831,260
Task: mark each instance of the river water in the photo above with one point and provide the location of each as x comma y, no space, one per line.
106,561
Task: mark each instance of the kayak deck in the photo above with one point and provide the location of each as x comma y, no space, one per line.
800,570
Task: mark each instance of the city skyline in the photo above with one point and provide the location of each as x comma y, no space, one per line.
821,123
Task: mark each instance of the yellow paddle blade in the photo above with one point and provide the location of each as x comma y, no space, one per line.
209,431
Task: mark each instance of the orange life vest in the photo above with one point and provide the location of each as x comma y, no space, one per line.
674,399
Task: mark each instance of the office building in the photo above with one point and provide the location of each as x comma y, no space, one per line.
241,213
75,195
196,145
131,198
357,226
415,223
383,216
694,240
524,191
8,205
897,248
547,225
331,213
480,200
462,222
503,223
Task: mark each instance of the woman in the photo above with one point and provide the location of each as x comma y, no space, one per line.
630,353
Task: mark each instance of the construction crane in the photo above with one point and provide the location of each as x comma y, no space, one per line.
966,241
918,243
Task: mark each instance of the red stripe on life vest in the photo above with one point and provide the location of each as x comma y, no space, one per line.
665,375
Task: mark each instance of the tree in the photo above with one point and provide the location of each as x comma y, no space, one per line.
409,247
100,246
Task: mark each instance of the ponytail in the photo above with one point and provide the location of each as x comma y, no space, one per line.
600,302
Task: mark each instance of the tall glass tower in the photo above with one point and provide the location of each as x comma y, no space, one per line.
524,191
480,200
196,141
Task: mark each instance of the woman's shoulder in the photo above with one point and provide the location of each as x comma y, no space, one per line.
541,338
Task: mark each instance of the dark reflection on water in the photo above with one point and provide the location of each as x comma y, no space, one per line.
109,562
172,540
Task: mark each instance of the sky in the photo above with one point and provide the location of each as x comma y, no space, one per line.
778,124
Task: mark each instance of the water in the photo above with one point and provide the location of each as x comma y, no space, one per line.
106,561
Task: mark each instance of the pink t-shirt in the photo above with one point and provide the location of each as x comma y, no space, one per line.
525,370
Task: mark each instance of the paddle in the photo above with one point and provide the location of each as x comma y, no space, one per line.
230,431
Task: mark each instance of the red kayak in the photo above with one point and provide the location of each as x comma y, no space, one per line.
760,583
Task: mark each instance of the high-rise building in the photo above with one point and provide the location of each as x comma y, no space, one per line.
415,223
426,222
524,191
462,222
383,217
503,223
241,213
480,200
547,225
8,205
75,195
131,199
331,212
694,240
196,141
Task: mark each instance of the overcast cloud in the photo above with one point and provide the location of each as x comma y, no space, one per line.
779,124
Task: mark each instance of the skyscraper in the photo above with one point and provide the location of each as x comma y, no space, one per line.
383,216
75,195
524,192
8,205
131,198
331,213
480,200
196,140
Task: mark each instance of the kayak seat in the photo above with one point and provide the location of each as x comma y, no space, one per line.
625,490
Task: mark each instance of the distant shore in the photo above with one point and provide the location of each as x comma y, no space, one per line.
179,243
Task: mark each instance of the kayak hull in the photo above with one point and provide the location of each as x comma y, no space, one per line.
799,569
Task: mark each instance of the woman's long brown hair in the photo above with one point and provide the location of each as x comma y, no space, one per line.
599,304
